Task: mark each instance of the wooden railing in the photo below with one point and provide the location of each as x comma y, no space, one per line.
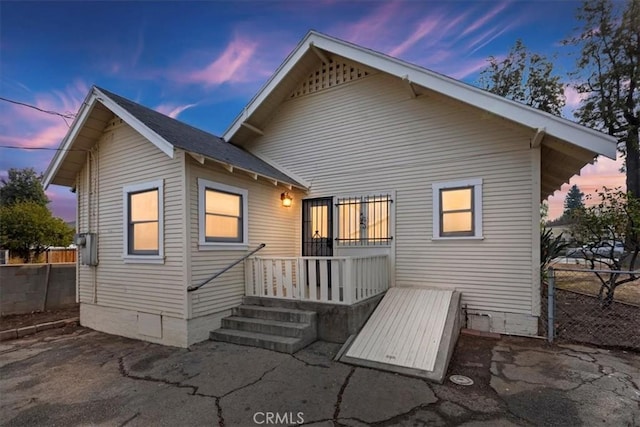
335,280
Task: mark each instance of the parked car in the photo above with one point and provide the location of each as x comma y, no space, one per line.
601,249
607,248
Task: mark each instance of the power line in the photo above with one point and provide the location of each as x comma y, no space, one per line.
55,113
17,147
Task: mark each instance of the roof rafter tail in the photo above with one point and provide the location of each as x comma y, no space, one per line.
319,53
252,128
255,175
553,126
166,133
198,157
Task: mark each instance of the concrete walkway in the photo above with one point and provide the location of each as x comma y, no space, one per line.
91,378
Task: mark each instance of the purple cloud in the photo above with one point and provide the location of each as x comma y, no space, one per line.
374,27
233,65
486,38
173,110
483,20
424,28
63,202
27,127
465,68
573,97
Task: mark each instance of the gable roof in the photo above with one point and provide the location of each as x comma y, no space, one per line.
163,131
323,45
565,146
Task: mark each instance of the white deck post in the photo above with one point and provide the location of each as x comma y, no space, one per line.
249,280
349,282
288,278
324,280
260,277
301,280
335,280
276,273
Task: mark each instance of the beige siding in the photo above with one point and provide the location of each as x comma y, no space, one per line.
123,157
84,275
269,222
370,135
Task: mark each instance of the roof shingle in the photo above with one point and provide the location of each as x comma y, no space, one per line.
191,139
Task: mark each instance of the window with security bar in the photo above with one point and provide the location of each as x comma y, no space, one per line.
364,221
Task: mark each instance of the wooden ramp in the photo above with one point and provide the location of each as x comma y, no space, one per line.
412,331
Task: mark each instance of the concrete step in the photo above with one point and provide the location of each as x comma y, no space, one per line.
267,326
275,313
256,339
275,328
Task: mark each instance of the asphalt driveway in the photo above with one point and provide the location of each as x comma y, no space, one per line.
90,378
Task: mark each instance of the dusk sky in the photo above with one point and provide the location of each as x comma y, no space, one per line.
201,62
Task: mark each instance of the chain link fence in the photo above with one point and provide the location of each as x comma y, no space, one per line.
578,307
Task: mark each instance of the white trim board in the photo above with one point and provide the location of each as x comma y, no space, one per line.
162,144
61,153
138,258
563,129
95,95
203,244
476,184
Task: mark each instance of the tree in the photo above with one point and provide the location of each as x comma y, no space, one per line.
550,247
22,185
29,229
616,218
525,77
544,214
608,76
573,201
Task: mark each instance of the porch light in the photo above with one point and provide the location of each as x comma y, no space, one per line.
286,199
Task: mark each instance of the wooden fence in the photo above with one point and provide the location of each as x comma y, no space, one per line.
51,256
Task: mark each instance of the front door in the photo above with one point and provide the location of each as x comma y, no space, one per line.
317,227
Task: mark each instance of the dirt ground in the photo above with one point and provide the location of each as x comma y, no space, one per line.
13,321
586,282
580,318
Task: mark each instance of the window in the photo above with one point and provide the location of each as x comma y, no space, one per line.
143,222
222,216
319,221
364,221
457,209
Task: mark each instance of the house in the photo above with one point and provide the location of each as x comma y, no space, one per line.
358,172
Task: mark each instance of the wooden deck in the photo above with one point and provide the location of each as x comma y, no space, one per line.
331,280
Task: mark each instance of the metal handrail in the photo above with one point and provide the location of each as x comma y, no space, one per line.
229,267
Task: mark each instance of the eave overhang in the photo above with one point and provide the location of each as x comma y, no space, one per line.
320,45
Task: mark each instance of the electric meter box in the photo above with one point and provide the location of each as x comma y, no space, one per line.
87,248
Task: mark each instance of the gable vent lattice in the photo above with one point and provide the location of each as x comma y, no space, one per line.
329,75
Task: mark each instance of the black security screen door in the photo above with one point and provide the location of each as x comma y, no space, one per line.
317,227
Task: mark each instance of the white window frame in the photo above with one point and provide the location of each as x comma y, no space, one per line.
203,244
477,207
136,188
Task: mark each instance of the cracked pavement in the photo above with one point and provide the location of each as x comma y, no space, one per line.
90,378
